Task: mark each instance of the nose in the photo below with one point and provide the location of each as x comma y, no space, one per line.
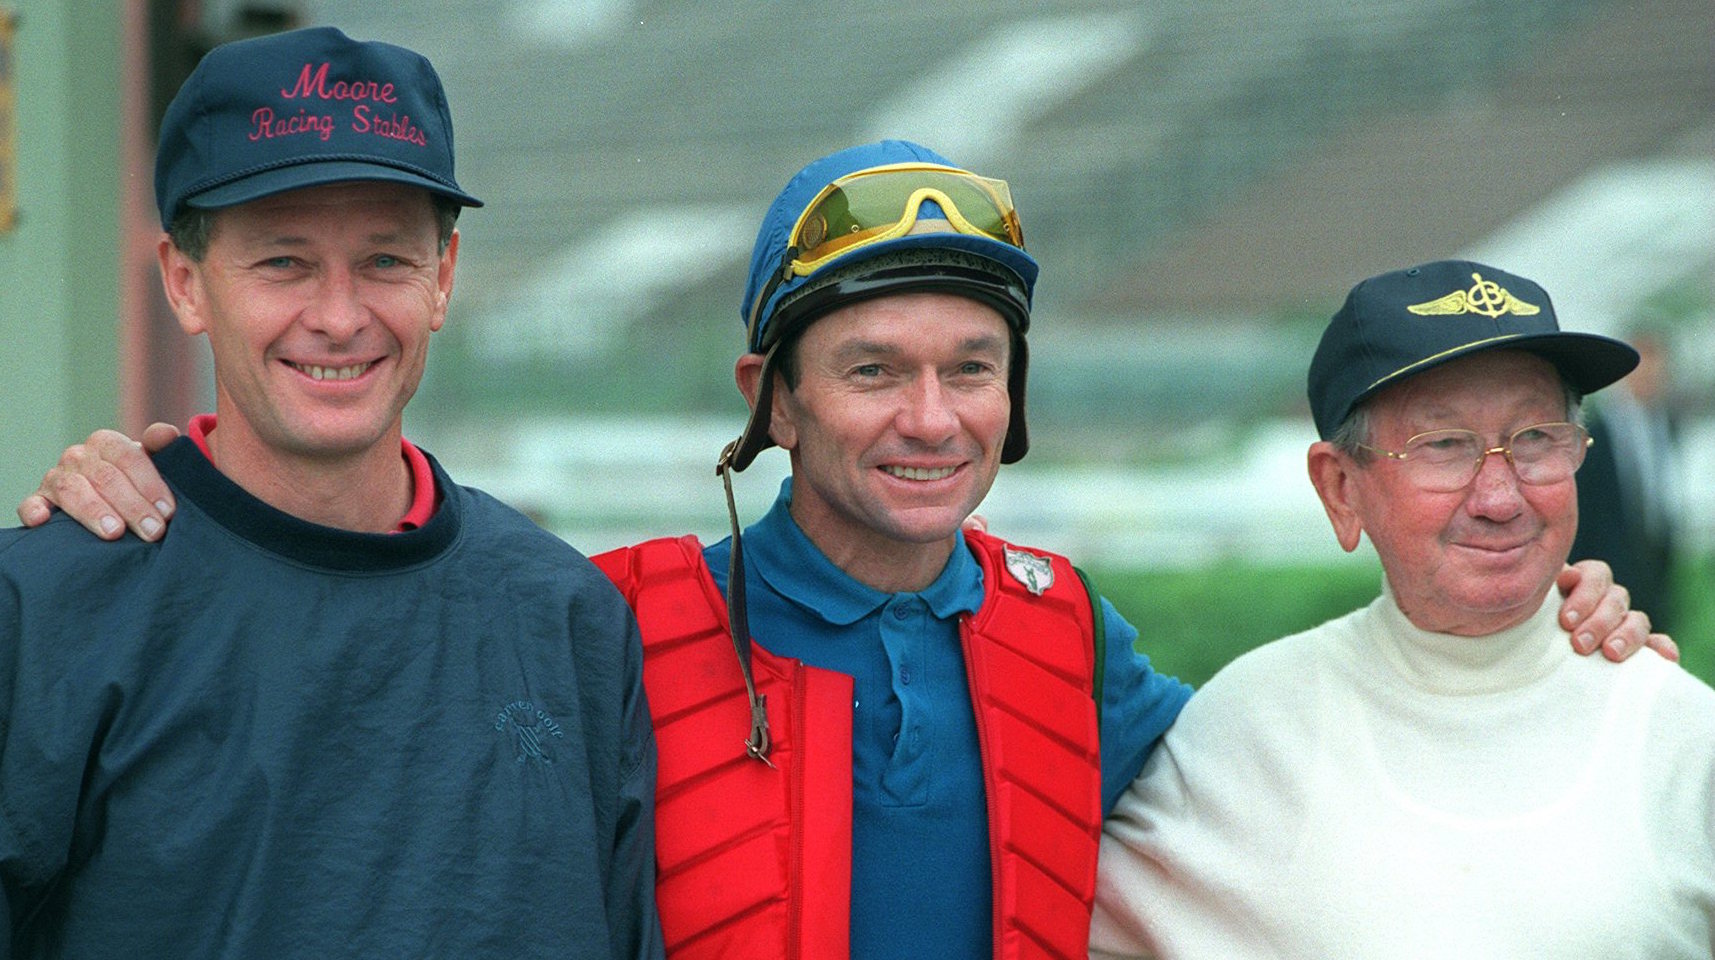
337,309
927,412
1495,492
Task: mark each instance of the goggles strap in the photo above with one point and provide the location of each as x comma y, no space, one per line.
738,622
780,276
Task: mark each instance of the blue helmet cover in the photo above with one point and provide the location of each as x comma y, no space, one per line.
766,257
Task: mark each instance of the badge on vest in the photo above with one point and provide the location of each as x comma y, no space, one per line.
1036,573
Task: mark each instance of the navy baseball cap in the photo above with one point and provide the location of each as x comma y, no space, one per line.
301,109
1397,325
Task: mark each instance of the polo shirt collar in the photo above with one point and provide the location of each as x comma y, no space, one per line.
793,567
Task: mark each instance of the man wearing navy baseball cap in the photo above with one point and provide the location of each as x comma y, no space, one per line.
350,708
1437,771
303,109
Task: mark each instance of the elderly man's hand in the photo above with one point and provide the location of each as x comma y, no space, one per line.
107,483
1598,611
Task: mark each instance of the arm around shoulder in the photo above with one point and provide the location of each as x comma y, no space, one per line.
108,484
1138,705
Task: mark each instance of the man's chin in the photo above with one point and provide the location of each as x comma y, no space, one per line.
1500,606
926,526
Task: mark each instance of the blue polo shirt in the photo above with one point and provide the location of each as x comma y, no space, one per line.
920,858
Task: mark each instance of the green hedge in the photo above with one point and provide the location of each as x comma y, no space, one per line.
1193,622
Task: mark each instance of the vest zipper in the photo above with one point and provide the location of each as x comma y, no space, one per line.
996,917
799,708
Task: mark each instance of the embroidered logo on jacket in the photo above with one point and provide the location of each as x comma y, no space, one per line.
1035,572
1485,297
531,730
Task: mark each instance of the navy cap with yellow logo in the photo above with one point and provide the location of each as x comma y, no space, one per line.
1399,324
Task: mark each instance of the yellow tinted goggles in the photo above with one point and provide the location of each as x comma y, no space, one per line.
882,203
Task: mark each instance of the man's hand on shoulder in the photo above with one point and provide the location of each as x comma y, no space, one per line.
108,484
1598,613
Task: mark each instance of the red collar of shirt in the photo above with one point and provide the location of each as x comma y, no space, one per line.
422,478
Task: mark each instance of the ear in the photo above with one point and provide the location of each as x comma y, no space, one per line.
783,416
181,279
782,419
444,281
748,374
1334,475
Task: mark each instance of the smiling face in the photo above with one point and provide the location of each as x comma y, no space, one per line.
318,305
1479,559
895,430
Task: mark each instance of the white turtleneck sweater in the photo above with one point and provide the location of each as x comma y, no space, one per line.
1368,789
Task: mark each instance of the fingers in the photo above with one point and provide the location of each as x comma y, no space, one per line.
1663,644
1595,606
71,491
108,484
156,436
1628,638
34,510
1584,582
976,523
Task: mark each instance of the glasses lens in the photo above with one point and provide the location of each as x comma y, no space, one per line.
1548,452
1442,460
868,205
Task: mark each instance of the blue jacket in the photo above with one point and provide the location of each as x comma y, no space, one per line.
260,737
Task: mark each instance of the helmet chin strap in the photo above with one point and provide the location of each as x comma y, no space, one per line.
946,270
738,621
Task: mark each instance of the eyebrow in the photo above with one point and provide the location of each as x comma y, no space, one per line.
979,344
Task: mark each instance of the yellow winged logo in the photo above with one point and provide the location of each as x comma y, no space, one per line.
1485,297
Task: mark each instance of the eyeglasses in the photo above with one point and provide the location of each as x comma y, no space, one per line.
1442,461
883,203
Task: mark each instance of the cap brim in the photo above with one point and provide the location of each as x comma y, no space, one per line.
267,183
1586,361
1014,259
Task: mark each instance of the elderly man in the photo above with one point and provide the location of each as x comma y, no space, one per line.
1435,774
907,759
349,708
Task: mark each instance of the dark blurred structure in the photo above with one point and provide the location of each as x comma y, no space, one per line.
1629,495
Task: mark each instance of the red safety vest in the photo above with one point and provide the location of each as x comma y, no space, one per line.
755,861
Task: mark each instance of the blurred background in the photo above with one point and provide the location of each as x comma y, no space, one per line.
1202,179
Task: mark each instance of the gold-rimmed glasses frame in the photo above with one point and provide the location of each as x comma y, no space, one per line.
1442,461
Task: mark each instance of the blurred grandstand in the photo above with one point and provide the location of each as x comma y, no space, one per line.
1203,180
